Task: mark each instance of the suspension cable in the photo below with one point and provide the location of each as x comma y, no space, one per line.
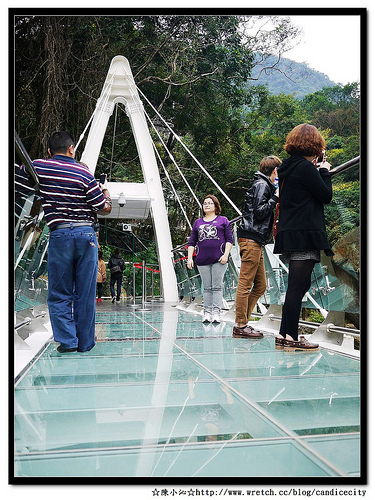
174,162
145,114
172,186
191,154
136,100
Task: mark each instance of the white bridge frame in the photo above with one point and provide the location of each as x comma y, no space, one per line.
120,87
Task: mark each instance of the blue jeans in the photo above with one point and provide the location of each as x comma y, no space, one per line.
72,273
212,278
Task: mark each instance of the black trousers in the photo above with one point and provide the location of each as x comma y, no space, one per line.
299,282
116,278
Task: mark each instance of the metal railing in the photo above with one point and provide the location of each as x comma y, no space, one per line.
345,166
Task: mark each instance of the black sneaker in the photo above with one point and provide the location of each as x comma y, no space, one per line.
113,300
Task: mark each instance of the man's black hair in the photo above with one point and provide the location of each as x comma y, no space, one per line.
59,142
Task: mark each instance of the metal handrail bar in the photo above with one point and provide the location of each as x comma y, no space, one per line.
40,315
235,220
188,279
301,322
25,322
179,246
26,159
342,329
345,166
330,327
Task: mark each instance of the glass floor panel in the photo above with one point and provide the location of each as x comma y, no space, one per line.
161,395
204,459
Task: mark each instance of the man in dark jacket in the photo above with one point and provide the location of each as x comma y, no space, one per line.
116,265
254,232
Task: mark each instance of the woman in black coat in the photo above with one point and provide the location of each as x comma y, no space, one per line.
305,187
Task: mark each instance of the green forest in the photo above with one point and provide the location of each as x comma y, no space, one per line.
201,73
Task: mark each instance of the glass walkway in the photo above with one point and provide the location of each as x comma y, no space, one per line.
163,396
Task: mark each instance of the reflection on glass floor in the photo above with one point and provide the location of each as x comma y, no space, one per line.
162,395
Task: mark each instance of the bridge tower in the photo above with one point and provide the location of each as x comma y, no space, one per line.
140,198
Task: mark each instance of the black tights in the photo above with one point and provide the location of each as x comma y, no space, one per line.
299,282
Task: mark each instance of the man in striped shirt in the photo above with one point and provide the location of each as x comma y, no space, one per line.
70,195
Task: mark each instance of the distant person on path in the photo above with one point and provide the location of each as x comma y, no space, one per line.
254,232
70,195
116,266
305,187
102,275
212,238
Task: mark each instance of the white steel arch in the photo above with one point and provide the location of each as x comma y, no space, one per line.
119,86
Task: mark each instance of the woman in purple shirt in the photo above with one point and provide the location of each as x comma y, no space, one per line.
212,238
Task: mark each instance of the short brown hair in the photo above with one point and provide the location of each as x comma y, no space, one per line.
216,203
305,140
268,164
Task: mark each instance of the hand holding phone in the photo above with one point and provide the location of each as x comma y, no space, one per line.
103,181
322,162
322,158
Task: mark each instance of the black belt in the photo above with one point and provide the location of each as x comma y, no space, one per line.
69,225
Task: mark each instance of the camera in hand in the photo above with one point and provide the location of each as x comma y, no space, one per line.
103,178
321,159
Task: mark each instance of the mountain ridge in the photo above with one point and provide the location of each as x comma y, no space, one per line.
289,77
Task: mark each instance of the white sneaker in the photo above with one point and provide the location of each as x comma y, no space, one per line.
206,318
215,318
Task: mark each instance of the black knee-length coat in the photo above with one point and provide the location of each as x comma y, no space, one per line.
304,190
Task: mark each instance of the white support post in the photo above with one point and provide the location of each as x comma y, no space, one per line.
120,87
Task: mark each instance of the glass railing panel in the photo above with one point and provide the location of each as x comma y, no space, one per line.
188,280
22,209
30,252
335,282
326,289
230,281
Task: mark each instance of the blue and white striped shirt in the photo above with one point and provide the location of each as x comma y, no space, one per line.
68,190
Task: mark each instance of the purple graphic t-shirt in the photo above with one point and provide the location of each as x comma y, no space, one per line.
209,238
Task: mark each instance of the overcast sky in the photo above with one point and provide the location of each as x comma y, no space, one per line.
331,45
